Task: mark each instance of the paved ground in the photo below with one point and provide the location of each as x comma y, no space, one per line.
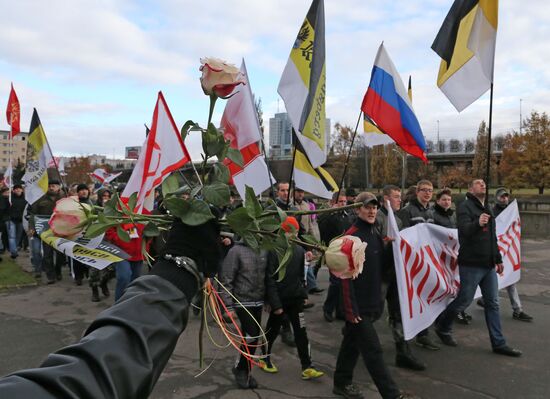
37,320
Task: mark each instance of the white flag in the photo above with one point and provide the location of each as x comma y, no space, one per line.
427,270
242,129
163,152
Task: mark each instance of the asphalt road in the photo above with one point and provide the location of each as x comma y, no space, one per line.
37,320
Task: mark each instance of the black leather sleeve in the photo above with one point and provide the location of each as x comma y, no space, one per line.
122,353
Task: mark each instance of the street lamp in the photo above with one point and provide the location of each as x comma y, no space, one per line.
404,171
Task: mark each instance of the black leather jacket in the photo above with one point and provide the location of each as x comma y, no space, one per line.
123,352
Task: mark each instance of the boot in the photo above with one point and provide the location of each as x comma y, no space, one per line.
405,359
95,294
105,289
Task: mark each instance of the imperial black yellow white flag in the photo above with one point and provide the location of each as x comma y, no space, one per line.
466,44
313,180
39,156
302,85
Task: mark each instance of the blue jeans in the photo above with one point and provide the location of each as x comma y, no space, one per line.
470,278
126,272
15,231
36,254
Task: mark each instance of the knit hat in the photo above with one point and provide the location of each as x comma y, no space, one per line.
82,186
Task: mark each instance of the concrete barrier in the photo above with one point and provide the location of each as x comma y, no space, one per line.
535,224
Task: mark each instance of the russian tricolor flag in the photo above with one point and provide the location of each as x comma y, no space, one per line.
388,105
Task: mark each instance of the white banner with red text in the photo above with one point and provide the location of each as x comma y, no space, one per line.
427,270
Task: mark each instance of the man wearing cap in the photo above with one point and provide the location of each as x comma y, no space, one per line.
502,199
15,223
479,261
44,208
363,305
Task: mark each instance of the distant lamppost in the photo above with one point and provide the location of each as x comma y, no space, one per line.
404,171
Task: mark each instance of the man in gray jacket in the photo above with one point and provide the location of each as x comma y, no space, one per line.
243,276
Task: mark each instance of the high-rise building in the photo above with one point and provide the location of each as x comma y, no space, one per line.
280,136
18,149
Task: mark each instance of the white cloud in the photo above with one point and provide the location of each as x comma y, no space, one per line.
94,67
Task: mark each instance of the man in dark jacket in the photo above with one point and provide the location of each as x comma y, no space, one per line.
404,357
288,299
363,306
478,257
418,211
442,212
15,222
245,286
80,269
332,225
44,208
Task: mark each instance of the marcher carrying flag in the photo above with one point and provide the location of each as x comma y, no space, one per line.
302,86
466,44
39,156
388,105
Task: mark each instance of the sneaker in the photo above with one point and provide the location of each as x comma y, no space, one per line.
463,318
426,342
522,316
481,303
311,373
316,290
267,366
350,391
507,351
447,339
14,256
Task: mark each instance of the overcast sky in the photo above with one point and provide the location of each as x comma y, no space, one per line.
93,68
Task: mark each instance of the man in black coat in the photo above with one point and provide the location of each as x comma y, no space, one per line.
14,224
479,261
364,305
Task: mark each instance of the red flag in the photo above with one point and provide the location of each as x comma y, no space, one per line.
13,113
242,129
162,153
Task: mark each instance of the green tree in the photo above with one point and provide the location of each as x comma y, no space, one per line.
78,170
526,158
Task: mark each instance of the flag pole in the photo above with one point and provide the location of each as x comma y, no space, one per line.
488,166
271,190
349,155
10,183
294,137
63,184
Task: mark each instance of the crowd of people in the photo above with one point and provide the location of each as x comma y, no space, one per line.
152,311
19,232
